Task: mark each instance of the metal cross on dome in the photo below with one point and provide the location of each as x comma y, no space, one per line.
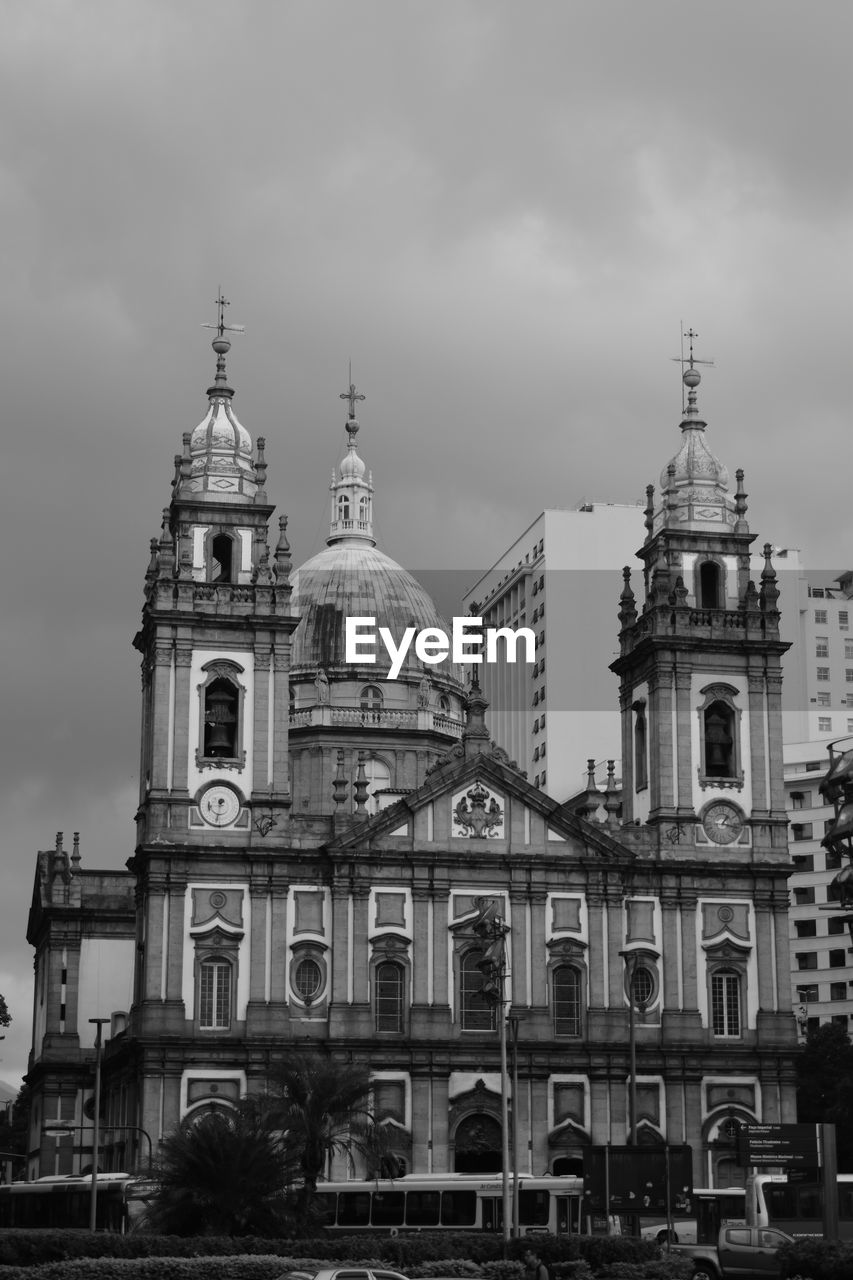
352,395
221,327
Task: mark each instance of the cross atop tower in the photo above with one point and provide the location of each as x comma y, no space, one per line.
221,327
352,395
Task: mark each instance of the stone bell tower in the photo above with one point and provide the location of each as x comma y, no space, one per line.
700,662
215,642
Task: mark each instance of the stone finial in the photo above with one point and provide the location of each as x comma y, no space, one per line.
75,854
283,561
475,735
340,783
740,503
769,593
359,790
612,803
627,602
261,469
649,512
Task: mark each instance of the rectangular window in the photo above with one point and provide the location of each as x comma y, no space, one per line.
567,1001
843,620
807,960
214,997
838,990
823,673
848,649
820,616
725,1004
801,831
824,700
848,674
824,724
801,799
821,646
837,959
804,861
807,995
835,925
806,928
802,897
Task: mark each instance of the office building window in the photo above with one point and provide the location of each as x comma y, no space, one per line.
803,861
806,928
802,897
807,995
838,990
823,673
821,646
820,616
833,859
824,700
836,925
801,799
848,649
843,620
824,724
837,959
801,831
807,960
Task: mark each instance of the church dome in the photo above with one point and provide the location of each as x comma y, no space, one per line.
355,579
694,483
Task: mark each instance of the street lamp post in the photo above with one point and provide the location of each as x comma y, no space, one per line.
636,1000
491,929
513,1026
96,1125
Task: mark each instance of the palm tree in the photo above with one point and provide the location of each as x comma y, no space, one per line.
323,1107
225,1174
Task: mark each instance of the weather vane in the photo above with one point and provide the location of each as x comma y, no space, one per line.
221,327
352,395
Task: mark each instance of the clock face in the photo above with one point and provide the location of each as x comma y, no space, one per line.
722,822
219,805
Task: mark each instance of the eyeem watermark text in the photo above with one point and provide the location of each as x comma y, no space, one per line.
432,645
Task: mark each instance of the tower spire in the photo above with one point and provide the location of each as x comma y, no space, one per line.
352,484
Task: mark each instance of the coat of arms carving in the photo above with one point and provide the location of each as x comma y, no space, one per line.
477,813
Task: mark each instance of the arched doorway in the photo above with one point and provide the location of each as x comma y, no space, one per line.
478,1145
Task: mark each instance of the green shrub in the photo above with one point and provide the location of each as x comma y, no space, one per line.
817,1259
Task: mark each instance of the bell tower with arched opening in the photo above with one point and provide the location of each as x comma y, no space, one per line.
700,662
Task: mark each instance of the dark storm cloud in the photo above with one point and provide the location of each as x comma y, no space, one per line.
500,212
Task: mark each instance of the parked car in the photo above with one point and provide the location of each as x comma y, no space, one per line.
741,1253
345,1273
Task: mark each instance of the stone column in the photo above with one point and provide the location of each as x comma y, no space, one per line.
670,957
615,963
689,961
757,760
595,906
361,953
420,949
660,739
340,945
262,661
160,715
280,949
539,961
684,756
183,694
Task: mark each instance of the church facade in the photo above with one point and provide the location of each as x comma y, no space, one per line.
315,844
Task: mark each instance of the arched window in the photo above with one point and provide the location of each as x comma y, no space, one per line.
641,775
214,994
378,779
364,510
388,1003
221,719
343,507
710,582
567,1001
371,702
725,1002
221,558
642,986
444,705
475,1012
719,741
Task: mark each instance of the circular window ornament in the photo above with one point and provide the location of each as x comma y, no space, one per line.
217,900
308,980
725,914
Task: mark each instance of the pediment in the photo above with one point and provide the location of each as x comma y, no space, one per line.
479,806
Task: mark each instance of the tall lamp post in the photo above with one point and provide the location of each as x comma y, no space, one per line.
639,994
490,927
96,1125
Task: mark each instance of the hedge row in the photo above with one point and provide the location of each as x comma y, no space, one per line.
817,1259
423,1252
274,1267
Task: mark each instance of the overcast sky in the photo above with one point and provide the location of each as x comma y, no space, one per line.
500,212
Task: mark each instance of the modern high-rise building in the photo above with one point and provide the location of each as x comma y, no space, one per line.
557,578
